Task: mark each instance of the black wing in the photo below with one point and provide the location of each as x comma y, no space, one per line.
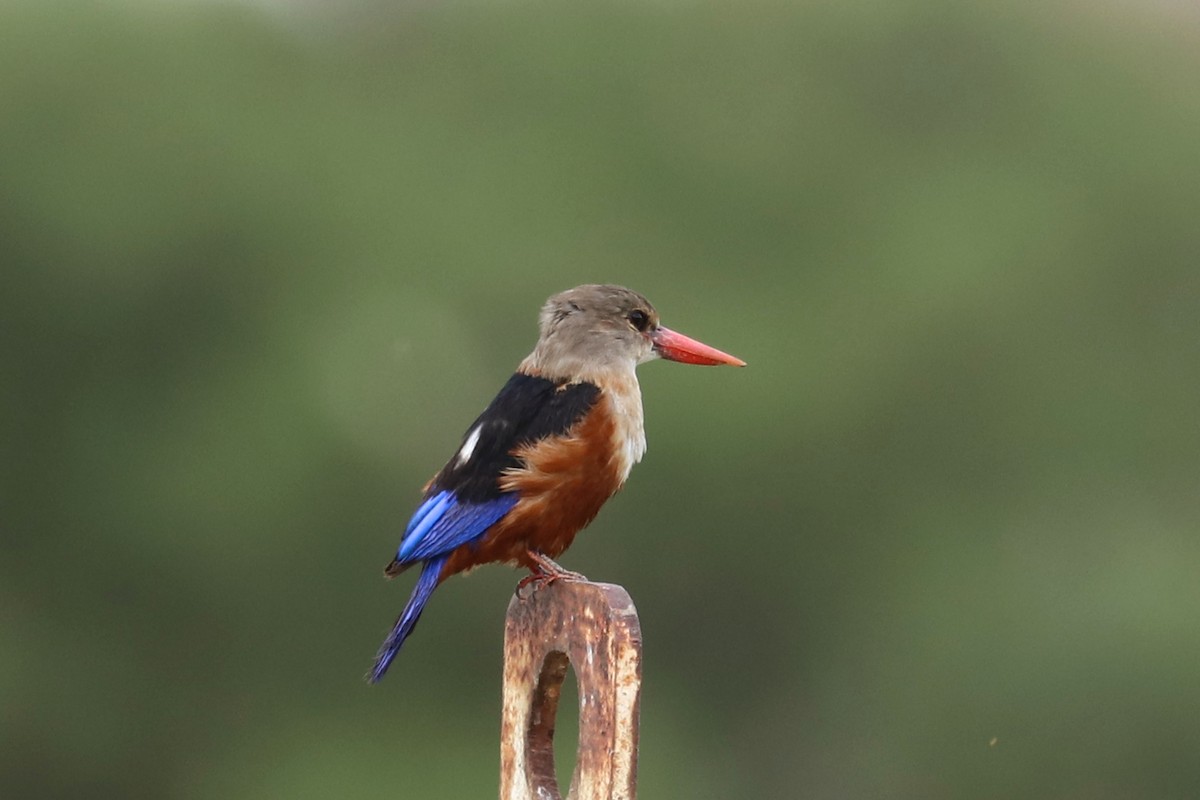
526,410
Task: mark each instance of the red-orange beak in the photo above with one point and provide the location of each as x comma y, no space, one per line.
677,347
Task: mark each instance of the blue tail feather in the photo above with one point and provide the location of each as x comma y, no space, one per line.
426,583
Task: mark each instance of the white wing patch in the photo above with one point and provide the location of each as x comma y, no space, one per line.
464,453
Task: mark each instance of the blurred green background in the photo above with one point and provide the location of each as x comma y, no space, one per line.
262,264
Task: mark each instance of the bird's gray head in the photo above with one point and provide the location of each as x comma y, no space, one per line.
601,330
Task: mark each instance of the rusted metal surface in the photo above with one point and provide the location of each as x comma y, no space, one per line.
592,628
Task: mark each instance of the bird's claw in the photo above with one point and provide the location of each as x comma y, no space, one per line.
543,572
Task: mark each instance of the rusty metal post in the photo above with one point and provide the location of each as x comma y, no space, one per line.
594,628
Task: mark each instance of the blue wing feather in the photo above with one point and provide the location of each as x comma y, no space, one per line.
443,522
425,517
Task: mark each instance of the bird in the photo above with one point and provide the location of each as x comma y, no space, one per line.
558,440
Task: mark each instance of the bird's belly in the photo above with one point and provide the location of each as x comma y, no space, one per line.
547,523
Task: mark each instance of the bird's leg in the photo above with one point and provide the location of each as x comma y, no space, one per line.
544,571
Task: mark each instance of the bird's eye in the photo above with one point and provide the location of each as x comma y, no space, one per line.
639,319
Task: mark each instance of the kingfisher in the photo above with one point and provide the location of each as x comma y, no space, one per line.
557,441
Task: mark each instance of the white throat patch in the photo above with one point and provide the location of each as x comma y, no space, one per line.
629,438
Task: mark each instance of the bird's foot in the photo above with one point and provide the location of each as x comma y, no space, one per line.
544,566
544,572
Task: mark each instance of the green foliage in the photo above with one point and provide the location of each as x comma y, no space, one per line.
262,267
